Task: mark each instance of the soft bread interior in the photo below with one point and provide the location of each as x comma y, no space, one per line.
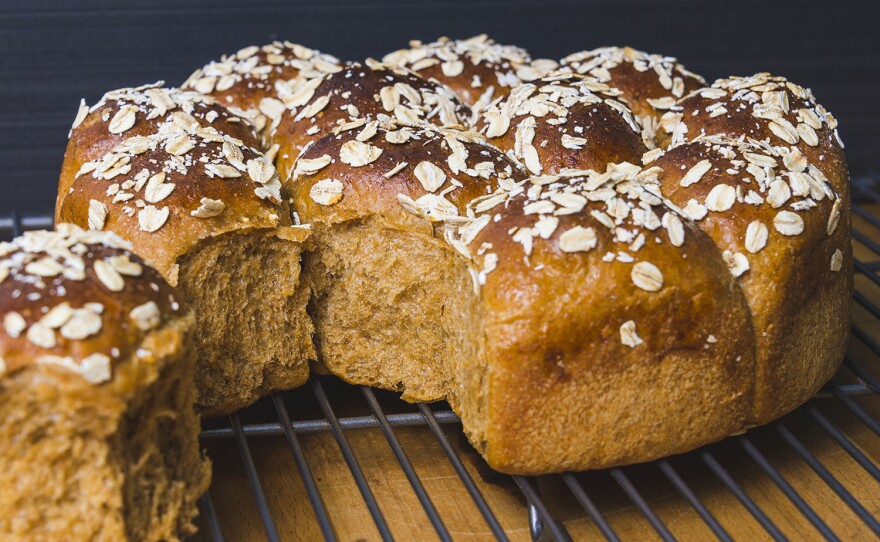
396,310
97,464
157,448
253,333
58,478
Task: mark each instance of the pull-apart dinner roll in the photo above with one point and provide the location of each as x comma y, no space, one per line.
256,81
98,438
393,303
611,331
204,206
780,225
649,84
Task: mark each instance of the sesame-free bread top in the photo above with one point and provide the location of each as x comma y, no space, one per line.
409,176
563,121
649,84
763,107
256,81
127,112
174,181
477,69
373,92
80,300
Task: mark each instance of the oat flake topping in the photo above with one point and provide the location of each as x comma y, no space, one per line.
49,264
182,142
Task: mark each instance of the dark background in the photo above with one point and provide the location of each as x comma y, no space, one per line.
52,53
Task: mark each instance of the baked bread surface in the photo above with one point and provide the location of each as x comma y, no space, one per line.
99,435
256,82
563,121
204,206
649,84
373,91
477,69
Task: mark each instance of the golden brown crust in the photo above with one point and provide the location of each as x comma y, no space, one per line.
649,84
126,450
616,317
80,300
97,129
768,108
563,121
373,92
649,342
412,176
477,69
782,230
256,81
166,188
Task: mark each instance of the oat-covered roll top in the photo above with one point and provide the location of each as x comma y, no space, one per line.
783,233
613,226
81,301
166,174
411,177
593,286
563,121
768,108
477,69
373,92
649,84
128,112
760,202
256,81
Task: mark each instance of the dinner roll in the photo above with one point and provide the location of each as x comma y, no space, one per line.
393,304
256,81
648,84
563,121
613,332
374,92
205,208
779,224
98,439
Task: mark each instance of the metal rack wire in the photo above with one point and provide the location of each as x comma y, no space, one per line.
543,525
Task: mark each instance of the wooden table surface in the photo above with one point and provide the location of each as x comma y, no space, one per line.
238,515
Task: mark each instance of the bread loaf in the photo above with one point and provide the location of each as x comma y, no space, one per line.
98,439
610,322
197,198
608,267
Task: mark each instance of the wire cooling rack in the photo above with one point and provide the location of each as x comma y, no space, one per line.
839,425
